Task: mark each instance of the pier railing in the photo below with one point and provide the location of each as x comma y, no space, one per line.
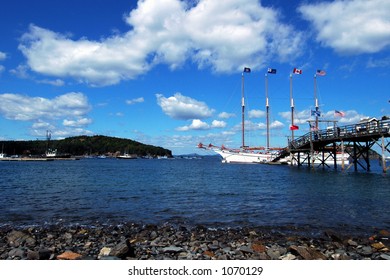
361,131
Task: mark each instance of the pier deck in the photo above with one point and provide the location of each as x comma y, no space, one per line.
361,137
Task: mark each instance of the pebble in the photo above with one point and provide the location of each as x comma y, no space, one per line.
168,242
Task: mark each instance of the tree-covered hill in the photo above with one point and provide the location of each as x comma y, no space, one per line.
83,145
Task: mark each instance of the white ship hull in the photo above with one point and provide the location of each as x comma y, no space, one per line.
244,157
232,156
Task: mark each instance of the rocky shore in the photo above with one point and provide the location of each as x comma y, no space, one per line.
167,242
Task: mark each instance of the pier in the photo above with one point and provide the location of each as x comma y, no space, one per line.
356,140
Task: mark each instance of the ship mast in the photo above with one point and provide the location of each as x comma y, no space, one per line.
246,70
292,108
316,101
267,108
242,110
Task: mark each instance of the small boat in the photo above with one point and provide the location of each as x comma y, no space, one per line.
127,156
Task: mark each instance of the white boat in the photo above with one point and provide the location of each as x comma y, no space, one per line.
51,153
243,155
127,156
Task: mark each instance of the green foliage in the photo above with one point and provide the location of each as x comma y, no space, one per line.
83,145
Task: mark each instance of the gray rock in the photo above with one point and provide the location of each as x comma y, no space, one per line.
172,249
16,253
385,256
121,250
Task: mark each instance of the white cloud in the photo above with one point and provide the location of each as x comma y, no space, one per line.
135,100
70,108
255,114
200,125
218,124
195,125
77,123
56,82
301,117
21,71
181,107
3,56
221,35
353,27
225,115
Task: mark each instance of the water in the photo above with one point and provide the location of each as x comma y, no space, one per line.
192,192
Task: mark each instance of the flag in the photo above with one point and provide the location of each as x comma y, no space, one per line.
339,113
313,128
297,71
316,113
321,73
294,127
247,70
271,71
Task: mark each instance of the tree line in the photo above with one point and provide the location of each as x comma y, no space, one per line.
83,145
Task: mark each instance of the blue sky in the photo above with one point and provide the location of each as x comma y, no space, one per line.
168,72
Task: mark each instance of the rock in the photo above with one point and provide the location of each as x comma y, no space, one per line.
209,254
16,253
365,251
378,245
259,248
105,251
32,255
301,251
288,257
246,250
352,243
68,255
385,256
122,250
153,235
18,238
172,249
316,255
273,253
44,254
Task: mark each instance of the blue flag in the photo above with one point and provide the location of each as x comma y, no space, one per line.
271,71
316,113
247,70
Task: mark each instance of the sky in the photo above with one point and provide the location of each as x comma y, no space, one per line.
169,72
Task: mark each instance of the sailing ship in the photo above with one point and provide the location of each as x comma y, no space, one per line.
246,154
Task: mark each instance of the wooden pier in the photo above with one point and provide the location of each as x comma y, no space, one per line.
356,140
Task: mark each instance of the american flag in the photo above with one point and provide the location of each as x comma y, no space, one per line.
339,113
321,73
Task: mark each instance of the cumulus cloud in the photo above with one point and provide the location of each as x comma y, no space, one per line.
255,114
71,108
220,35
135,100
181,107
77,123
225,115
3,56
301,117
200,125
354,27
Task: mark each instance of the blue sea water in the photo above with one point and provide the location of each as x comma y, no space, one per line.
192,192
